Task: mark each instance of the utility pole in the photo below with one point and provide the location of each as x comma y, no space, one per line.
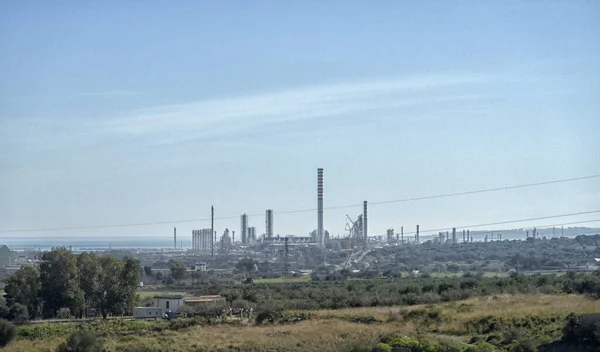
286,261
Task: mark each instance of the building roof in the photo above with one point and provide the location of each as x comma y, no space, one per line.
169,296
203,299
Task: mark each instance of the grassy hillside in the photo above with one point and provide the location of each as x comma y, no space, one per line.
495,319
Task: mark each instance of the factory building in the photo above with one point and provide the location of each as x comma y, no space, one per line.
390,236
202,240
226,242
251,235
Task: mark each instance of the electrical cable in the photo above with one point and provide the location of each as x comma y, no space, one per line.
91,227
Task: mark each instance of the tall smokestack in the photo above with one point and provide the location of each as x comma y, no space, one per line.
365,223
244,228
402,234
175,237
269,223
454,235
417,235
212,231
320,234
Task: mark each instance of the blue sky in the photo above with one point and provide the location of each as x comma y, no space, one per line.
122,112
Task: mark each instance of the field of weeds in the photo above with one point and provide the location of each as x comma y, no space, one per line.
495,321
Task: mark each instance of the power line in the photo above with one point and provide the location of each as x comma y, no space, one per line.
569,223
91,227
445,195
507,222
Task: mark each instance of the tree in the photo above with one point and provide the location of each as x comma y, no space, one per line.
453,268
178,271
159,276
24,287
18,313
195,276
147,302
109,294
60,282
117,283
81,341
7,332
3,308
148,271
246,265
130,278
87,269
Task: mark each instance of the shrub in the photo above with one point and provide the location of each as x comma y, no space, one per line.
63,313
382,347
268,316
7,332
18,313
524,345
81,341
368,319
511,335
147,302
583,328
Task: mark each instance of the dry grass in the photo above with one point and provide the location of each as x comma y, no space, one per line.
511,306
331,330
501,305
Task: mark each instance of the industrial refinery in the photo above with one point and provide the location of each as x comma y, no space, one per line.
253,239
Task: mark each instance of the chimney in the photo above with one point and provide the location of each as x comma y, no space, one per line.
417,235
269,223
320,234
244,228
175,237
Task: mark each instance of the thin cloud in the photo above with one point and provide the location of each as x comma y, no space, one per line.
109,93
221,116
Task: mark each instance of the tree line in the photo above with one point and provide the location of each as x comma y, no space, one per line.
336,294
66,284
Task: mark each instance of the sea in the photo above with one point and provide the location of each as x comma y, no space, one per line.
82,243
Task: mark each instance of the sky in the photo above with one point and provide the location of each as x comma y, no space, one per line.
115,112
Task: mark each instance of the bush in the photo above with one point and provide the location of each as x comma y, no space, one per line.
81,341
7,332
584,329
382,347
525,345
18,313
63,313
268,316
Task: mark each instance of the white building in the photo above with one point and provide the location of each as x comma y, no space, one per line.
169,303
